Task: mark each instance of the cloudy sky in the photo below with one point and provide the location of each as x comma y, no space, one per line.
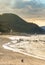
30,10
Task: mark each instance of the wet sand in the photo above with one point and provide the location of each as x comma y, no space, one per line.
8,57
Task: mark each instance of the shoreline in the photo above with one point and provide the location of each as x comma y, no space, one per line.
6,47
8,57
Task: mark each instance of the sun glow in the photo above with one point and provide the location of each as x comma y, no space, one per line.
36,21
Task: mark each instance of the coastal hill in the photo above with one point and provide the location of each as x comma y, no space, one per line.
43,27
9,21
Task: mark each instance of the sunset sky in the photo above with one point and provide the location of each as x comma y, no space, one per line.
30,10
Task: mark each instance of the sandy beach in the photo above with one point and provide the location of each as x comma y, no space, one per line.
8,57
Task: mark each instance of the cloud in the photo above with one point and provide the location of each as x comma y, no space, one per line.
23,3
27,8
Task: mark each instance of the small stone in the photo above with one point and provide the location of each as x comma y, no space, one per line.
22,60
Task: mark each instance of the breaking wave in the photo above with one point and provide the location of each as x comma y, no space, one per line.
29,45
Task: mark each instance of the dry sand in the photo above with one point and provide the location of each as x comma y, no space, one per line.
8,57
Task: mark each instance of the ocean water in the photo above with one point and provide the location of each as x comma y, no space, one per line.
29,45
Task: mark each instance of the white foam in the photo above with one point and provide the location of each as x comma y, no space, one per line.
19,37
16,50
14,46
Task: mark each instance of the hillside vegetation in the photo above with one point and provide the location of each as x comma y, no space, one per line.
11,22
